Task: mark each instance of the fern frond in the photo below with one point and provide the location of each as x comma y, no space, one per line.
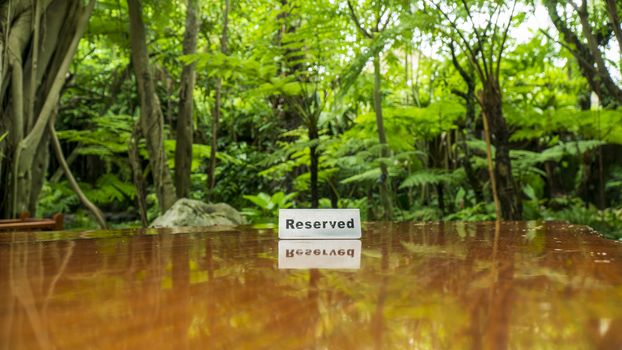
429,177
373,174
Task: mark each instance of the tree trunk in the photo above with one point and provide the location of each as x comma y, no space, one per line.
30,93
313,170
151,117
476,186
211,175
384,153
588,57
183,151
509,195
469,101
137,174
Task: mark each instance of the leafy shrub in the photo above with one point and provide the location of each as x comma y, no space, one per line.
608,222
267,207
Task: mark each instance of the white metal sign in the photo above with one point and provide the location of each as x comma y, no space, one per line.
319,223
320,254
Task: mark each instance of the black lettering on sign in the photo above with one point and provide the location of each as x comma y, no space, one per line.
290,253
293,224
289,223
351,223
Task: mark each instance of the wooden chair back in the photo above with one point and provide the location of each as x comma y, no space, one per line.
26,223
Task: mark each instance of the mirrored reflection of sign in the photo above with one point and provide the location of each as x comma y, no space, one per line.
320,254
319,224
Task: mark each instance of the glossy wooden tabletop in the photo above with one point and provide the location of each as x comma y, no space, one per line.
412,286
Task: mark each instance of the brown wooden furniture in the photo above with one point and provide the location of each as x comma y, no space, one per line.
26,223
455,285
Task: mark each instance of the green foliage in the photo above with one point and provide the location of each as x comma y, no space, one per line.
432,177
478,212
109,188
267,207
295,64
369,175
1,139
106,139
607,222
56,198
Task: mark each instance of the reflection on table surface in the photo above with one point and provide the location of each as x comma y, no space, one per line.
419,286
320,254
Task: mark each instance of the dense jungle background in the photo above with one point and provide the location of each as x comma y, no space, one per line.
408,110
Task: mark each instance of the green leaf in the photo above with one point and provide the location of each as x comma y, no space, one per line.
262,200
369,175
428,177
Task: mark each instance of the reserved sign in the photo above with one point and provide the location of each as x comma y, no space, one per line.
320,254
319,223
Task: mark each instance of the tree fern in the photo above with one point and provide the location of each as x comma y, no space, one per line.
432,177
369,175
109,188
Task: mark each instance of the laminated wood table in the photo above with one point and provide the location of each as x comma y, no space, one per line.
515,285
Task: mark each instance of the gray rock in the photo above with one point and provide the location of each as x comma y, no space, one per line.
189,212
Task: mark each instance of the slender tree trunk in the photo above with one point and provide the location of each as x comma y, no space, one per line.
183,151
509,194
491,170
476,186
211,171
211,175
151,117
602,201
441,198
466,161
469,101
314,157
137,174
384,153
554,188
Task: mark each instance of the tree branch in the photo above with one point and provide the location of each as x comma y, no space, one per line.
592,44
460,93
612,11
379,19
479,38
495,29
357,22
386,23
472,55
503,40
72,181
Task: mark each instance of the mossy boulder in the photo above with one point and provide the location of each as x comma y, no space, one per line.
194,213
